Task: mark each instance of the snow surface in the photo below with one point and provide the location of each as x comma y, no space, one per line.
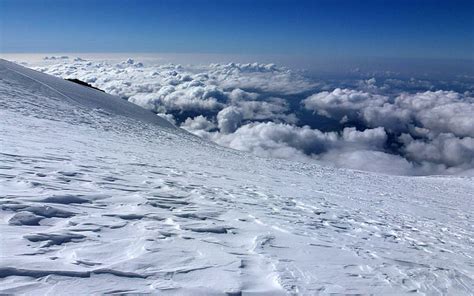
100,196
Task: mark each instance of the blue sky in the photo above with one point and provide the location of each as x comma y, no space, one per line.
397,28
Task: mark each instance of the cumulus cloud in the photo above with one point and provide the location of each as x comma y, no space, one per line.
229,119
440,111
350,148
277,139
373,138
342,102
444,150
259,77
435,128
198,123
355,105
381,124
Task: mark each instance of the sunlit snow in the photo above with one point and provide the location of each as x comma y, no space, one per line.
101,196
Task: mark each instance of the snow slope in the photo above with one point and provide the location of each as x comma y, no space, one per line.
68,93
99,196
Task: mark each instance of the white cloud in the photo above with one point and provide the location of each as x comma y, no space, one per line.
444,149
440,111
260,77
259,108
229,119
342,102
198,123
373,138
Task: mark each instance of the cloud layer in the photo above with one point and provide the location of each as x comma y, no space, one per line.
385,125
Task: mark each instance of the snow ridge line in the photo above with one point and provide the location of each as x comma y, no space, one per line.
44,84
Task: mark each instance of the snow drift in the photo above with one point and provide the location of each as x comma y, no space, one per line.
99,196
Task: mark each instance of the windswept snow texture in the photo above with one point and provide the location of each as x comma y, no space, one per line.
388,124
95,199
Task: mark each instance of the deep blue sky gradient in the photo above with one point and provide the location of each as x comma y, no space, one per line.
395,28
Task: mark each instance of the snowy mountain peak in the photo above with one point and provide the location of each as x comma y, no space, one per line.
95,199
